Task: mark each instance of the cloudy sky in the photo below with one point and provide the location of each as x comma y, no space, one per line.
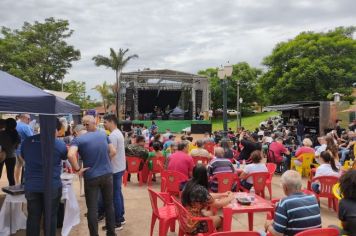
185,35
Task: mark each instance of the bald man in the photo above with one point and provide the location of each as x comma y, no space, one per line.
96,151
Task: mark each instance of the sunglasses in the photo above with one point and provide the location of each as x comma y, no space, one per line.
87,124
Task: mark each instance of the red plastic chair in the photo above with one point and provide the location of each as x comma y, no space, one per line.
241,233
259,182
133,166
271,169
203,160
210,146
184,216
319,232
166,215
225,181
157,167
326,184
171,181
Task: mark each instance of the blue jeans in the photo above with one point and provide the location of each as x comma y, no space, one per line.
315,187
118,199
343,153
35,209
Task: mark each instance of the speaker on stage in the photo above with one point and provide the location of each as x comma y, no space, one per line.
188,115
201,128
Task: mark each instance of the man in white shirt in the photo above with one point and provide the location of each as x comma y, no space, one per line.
322,146
118,166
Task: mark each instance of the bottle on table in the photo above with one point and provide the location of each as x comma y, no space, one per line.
252,194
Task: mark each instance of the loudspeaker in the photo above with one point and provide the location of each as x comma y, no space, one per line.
201,128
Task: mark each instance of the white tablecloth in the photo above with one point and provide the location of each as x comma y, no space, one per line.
71,213
18,217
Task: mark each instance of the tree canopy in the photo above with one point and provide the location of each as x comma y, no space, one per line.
38,52
310,67
78,94
248,77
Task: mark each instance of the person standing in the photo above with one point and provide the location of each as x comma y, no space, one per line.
118,165
24,130
96,150
9,141
34,184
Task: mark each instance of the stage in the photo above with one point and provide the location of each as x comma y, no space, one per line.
176,126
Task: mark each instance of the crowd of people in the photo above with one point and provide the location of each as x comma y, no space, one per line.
100,158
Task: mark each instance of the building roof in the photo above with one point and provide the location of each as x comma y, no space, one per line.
294,105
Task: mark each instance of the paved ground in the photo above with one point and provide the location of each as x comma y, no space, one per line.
138,211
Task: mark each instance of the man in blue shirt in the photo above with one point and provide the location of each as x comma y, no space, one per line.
296,212
34,184
96,151
25,131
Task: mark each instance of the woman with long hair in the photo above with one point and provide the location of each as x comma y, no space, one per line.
333,148
327,168
9,141
196,199
226,145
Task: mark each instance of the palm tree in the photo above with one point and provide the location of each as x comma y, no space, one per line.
104,93
117,61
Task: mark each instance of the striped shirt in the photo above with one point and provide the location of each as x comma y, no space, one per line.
216,166
296,213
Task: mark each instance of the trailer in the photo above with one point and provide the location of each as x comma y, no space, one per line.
318,117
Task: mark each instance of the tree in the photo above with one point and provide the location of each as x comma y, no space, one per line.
117,61
38,53
248,77
310,66
78,94
105,94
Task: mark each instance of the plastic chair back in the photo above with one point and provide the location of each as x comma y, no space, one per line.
336,191
133,164
271,169
210,146
259,181
184,217
225,181
319,232
201,160
153,198
171,181
326,185
307,161
157,164
241,233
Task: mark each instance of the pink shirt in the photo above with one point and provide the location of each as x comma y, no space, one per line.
303,150
278,148
181,162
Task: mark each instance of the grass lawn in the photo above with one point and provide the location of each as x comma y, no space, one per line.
249,122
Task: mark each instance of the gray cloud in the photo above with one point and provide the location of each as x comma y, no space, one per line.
176,34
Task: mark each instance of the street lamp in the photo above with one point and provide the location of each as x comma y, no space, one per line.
223,73
240,115
238,124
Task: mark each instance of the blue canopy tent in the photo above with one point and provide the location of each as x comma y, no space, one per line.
18,96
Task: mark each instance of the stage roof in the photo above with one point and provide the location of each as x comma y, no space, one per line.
162,74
